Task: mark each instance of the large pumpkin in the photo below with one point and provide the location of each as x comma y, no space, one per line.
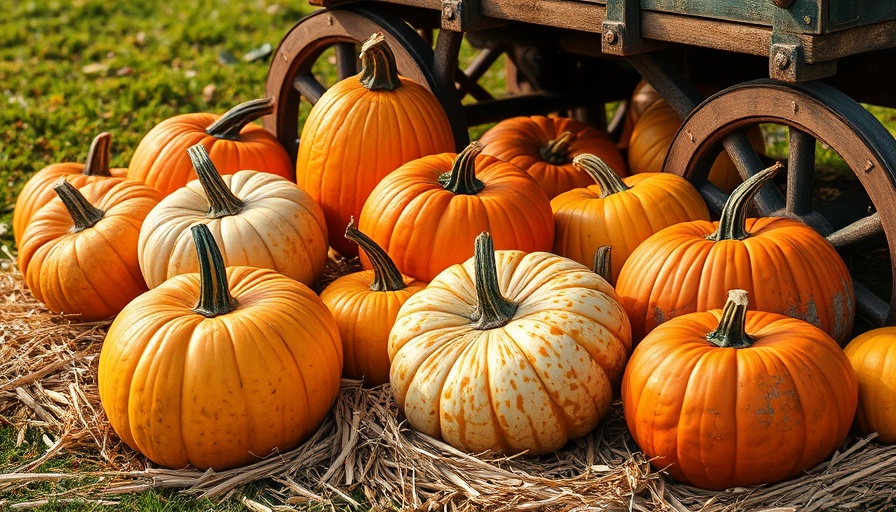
873,356
232,140
220,368
361,129
509,352
785,265
38,190
258,219
734,397
619,212
546,146
79,252
428,212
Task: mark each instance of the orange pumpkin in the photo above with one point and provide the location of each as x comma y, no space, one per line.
220,368
642,98
729,398
619,212
785,265
428,212
546,146
361,129
232,140
872,356
38,190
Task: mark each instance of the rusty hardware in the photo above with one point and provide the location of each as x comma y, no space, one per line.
782,60
611,36
783,4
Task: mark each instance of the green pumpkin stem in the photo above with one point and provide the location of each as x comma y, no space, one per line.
84,215
386,277
556,151
378,69
601,265
493,309
731,331
462,178
229,125
214,294
221,201
609,182
99,156
733,220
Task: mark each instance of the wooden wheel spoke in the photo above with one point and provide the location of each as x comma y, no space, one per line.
800,173
869,306
859,235
309,87
480,64
741,152
714,196
346,60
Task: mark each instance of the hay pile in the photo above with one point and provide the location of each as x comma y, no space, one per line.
48,369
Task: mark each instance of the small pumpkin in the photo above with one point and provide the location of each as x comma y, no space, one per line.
619,212
546,146
79,252
232,139
642,98
38,190
785,265
365,305
427,214
509,352
220,368
258,219
730,398
872,356
360,130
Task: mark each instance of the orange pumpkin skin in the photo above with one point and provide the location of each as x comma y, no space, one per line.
872,355
93,272
425,227
231,139
531,143
355,136
38,190
723,417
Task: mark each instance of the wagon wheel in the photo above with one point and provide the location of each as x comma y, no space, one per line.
860,219
291,79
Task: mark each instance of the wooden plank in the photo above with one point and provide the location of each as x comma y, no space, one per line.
757,12
573,15
840,44
717,34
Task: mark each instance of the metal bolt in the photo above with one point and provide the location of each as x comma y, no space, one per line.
782,61
807,20
448,11
869,165
794,107
611,36
783,4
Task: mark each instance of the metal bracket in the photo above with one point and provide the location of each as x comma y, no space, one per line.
786,63
621,30
465,16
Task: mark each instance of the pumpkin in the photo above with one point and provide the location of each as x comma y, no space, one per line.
427,214
619,212
231,139
361,129
785,265
642,98
79,252
653,134
257,218
220,368
546,146
730,398
509,352
872,357
365,305
38,190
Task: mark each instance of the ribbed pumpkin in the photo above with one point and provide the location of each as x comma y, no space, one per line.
220,368
546,146
258,219
873,356
361,129
785,265
619,212
730,398
642,98
232,140
428,212
79,252
38,190
365,305
509,352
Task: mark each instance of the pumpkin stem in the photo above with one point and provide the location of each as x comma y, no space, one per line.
378,69
386,277
493,309
601,265
214,294
99,156
609,182
232,122
462,178
732,221
731,331
84,215
221,201
557,151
